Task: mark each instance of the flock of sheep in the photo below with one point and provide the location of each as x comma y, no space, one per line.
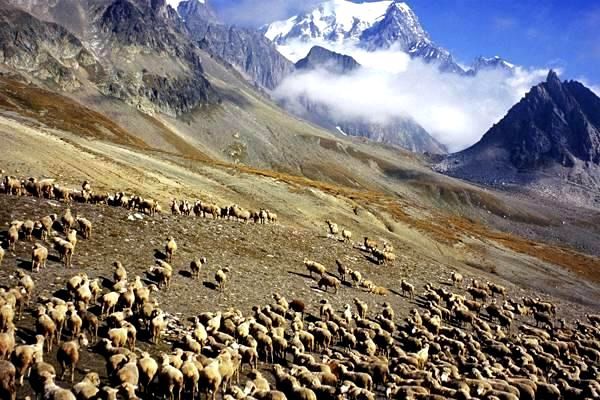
48,188
473,342
235,212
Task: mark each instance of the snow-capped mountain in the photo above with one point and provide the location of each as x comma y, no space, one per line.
483,63
371,26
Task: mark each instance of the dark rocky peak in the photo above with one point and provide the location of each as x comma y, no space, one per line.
555,123
196,10
320,57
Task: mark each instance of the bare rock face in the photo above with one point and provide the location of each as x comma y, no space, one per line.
47,51
320,57
553,131
246,49
136,50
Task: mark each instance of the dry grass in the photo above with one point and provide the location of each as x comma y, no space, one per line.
60,112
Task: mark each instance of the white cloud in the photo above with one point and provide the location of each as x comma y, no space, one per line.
456,110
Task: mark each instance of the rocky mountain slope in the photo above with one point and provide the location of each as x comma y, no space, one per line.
553,133
246,49
132,50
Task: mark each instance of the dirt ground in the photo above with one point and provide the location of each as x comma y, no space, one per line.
264,259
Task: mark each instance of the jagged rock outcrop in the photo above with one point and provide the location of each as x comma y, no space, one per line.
136,50
320,57
553,131
46,51
246,49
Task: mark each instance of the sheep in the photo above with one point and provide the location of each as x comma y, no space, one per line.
170,378
67,221
109,302
356,277
27,229
46,327
477,293
342,270
119,272
12,237
346,235
65,250
74,321
118,336
457,279
407,288
327,281
272,217
58,313
369,244
1,255
128,373
7,343
85,227
543,318
62,193
8,388
148,368
170,248
39,371
46,224
26,282
383,257
313,266
361,307
379,290
13,186
333,227
88,387
210,379
158,324
39,256
196,266
72,238
360,379
68,355
221,278
163,272
24,356
191,375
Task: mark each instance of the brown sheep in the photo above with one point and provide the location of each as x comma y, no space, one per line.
68,355
65,250
196,266
170,248
85,227
27,229
12,237
327,281
313,266
46,224
67,221
39,256
8,389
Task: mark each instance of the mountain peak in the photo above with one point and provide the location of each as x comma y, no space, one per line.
320,57
552,77
553,131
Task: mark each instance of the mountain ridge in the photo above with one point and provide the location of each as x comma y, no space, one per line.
552,136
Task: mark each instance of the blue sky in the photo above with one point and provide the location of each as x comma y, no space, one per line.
550,33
